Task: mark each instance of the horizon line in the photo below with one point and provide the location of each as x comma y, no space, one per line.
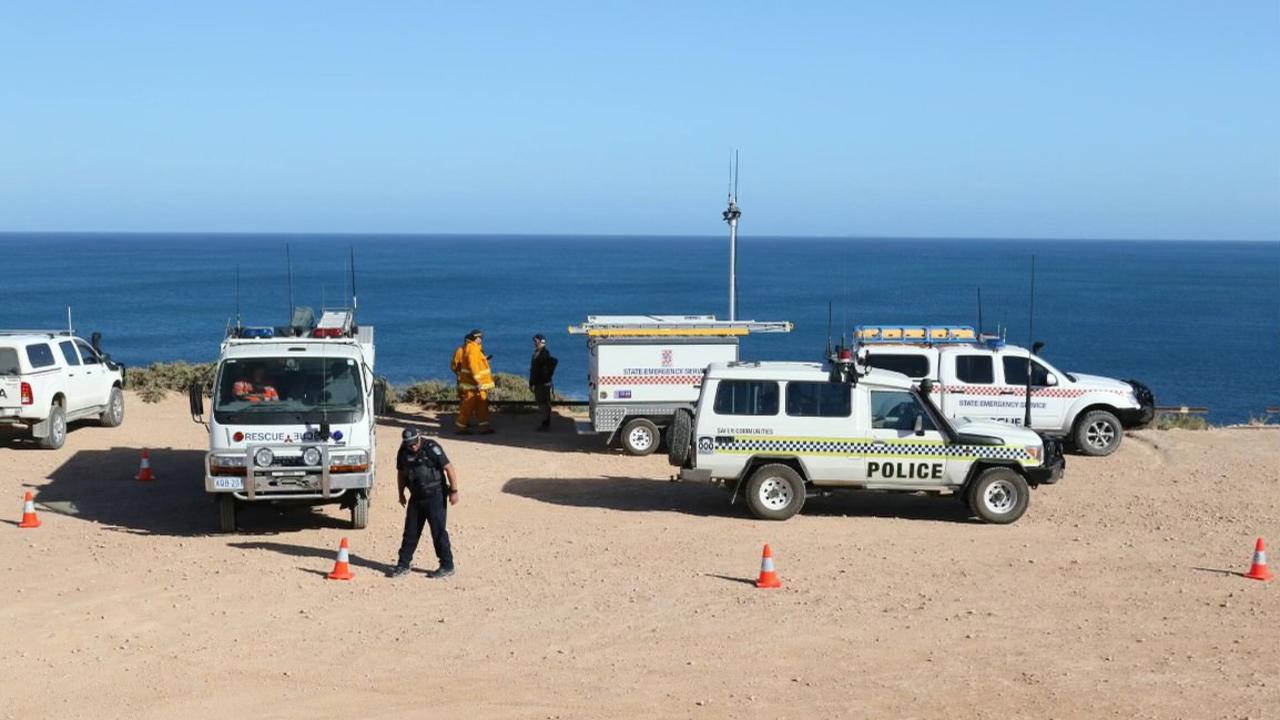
849,236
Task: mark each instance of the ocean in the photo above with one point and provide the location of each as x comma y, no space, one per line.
1197,321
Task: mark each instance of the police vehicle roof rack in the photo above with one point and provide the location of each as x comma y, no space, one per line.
50,333
672,326
914,334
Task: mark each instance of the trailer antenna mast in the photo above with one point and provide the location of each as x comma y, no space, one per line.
1031,330
731,216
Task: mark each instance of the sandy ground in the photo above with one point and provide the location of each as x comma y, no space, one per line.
590,586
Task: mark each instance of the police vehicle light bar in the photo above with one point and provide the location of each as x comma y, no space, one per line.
914,334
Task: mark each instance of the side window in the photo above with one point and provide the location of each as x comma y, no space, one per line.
975,369
9,362
1015,372
897,410
819,399
913,366
69,353
87,355
746,397
39,355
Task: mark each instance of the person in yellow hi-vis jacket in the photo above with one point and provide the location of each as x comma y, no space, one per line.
475,380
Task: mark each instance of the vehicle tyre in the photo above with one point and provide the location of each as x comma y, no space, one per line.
113,416
640,437
999,495
360,512
57,429
680,438
1098,433
775,492
227,513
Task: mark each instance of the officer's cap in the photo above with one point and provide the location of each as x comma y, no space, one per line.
409,436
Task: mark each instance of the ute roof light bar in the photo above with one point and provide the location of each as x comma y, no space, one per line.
915,334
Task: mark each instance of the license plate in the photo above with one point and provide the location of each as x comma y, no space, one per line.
228,483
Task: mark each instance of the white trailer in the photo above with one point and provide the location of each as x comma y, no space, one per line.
645,368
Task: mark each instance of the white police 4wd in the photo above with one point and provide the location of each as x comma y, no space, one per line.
983,378
780,432
49,378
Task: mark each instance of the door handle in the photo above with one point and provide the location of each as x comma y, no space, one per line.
1008,392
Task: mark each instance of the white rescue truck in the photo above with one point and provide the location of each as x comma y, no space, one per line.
645,368
779,432
983,378
293,416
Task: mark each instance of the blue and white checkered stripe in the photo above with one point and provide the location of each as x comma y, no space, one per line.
868,448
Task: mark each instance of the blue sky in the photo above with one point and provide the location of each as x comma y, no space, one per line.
1017,119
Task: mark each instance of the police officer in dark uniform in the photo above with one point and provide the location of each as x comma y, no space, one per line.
424,470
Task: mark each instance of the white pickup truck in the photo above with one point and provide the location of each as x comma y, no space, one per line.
49,378
983,378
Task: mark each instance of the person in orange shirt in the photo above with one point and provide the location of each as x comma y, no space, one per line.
475,380
256,388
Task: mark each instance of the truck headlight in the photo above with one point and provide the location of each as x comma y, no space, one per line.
349,461
1035,452
311,456
264,457
227,464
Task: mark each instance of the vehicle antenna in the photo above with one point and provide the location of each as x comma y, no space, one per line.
71,330
980,312
830,350
237,296
731,216
288,258
1031,327
355,303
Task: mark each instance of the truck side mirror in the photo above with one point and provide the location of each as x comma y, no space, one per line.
1050,380
195,398
919,427
380,398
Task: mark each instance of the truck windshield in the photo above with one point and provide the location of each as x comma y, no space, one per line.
288,390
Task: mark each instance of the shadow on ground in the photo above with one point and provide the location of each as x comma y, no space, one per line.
306,551
645,495
19,437
99,486
510,430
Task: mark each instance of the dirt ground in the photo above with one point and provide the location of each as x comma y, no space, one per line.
589,586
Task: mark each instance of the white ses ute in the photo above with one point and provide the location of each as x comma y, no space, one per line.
983,378
293,416
780,432
49,378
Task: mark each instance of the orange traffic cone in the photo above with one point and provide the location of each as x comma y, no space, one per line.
144,468
768,578
29,519
1259,571
341,567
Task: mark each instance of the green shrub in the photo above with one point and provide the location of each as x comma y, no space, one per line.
155,381
1181,421
430,392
